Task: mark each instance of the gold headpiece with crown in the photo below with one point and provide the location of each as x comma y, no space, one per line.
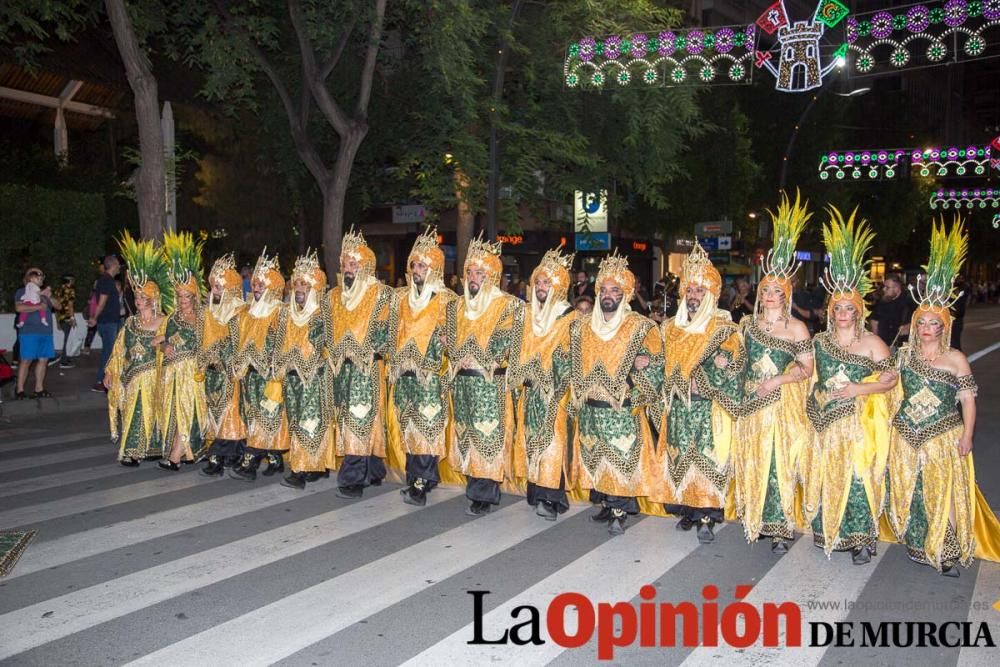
307,268
268,272
698,270
224,274
354,244
557,265
427,250
486,255
615,267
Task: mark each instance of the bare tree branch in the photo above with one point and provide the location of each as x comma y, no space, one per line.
307,151
345,36
327,105
368,71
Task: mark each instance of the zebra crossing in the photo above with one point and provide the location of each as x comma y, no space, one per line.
135,566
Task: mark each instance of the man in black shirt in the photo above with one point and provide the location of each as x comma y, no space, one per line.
581,287
107,315
890,318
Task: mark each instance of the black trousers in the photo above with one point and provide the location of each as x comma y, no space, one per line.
483,490
422,466
627,504
360,471
557,497
696,513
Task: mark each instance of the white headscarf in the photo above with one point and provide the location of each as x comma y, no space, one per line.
608,329
475,306
419,298
699,321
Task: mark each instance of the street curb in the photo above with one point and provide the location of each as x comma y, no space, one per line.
29,407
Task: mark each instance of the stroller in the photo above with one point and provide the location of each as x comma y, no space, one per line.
6,372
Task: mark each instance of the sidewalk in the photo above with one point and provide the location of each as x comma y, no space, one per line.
70,389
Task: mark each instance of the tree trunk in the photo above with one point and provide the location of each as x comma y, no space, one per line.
334,197
151,185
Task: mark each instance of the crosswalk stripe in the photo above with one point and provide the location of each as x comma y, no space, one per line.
31,446
646,551
60,457
74,547
62,479
986,594
94,500
59,617
299,620
803,575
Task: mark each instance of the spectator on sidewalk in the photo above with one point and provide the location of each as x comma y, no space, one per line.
890,318
35,338
107,315
67,317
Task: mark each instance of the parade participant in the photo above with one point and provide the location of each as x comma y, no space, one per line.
772,426
300,361
617,369
133,368
935,508
418,396
703,364
487,325
181,408
540,373
260,394
220,335
843,466
359,313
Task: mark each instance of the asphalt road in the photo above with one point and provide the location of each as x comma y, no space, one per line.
136,565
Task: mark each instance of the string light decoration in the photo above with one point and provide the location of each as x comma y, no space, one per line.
931,33
876,164
966,197
669,58
886,163
996,221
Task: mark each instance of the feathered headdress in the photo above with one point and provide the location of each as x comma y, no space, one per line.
147,271
935,294
698,270
486,255
847,243
780,265
183,255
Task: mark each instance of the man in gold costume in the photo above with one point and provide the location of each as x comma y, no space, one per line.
220,336
702,366
263,413
300,361
359,312
616,361
540,373
484,327
418,398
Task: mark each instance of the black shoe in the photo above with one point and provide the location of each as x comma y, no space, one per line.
245,474
546,510
129,463
296,480
705,533
350,492
414,496
213,468
316,476
618,520
20,396
603,516
684,524
168,465
478,508
950,569
779,546
66,364
861,556
275,463
375,482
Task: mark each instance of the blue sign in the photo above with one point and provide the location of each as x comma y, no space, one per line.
709,242
593,241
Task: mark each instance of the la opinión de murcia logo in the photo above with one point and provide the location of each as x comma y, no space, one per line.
739,624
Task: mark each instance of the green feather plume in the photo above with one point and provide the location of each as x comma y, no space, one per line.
183,256
948,252
788,224
847,242
146,263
